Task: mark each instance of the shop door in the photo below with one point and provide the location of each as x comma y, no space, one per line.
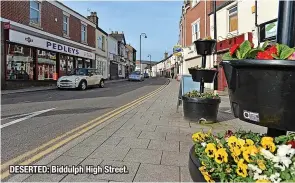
114,71
222,84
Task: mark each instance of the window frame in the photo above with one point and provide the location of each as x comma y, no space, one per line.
68,24
235,13
197,22
38,10
85,25
102,42
195,3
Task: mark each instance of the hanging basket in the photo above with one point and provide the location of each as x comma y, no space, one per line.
205,47
262,92
207,75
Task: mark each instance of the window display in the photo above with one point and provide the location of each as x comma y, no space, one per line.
19,63
66,65
46,65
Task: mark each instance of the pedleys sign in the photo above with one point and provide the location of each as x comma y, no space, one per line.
25,39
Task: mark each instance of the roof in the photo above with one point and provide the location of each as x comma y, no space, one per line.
118,36
166,58
100,29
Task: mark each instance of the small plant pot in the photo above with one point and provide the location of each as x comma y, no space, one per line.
197,109
194,164
205,47
207,75
262,92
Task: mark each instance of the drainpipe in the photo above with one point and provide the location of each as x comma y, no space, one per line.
256,24
206,18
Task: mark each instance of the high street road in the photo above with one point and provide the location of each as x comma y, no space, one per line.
31,119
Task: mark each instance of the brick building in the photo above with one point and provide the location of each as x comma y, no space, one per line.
41,41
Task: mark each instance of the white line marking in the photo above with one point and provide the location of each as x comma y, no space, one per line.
28,116
228,111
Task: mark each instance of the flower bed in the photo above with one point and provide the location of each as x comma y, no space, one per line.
245,157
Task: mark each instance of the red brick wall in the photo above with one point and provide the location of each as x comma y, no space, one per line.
19,11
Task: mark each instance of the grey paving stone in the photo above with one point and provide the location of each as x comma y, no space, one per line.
127,133
128,177
144,156
80,151
179,124
44,178
157,173
184,137
149,128
185,175
152,135
81,178
113,141
106,132
66,160
169,129
110,152
175,158
94,140
127,126
186,146
92,161
134,143
158,123
165,145
191,130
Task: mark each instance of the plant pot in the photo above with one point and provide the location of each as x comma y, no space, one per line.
262,91
207,75
194,164
195,109
205,47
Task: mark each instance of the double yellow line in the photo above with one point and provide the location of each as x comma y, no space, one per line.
70,135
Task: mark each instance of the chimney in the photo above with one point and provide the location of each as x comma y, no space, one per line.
165,55
93,18
116,32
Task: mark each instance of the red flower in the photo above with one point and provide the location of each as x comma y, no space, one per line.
292,142
228,133
272,50
265,55
233,49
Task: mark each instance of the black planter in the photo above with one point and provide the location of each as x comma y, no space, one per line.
205,47
207,75
195,109
262,91
194,164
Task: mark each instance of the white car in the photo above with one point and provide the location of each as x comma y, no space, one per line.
81,78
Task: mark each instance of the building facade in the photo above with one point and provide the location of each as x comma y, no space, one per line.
43,40
131,54
113,58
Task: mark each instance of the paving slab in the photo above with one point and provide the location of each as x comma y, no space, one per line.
175,158
92,161
144,156
183,137
157,173
142,127
80,151
169,129
67,160
134,143
45,178
81,178
113,141
152,135
185,175
94,140
108,152
186,146
127,133
164,145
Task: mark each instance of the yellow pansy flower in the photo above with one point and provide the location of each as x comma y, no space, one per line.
268,144
251,150
236,151
210,150
198,137
249,142
261,164
242,168
221,156
262,180
232,141
235,157
207,177
241,143
202,169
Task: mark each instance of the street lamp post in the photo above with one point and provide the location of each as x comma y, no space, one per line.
150,64
142,34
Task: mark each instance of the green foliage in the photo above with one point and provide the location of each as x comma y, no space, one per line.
196,94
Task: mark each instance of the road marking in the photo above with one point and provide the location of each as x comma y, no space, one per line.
228,111
78,130
28,116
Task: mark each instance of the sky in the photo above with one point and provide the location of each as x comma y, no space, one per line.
158,19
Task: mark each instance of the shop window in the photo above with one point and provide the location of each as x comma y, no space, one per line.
19,63
46,66
66,65
35,15
103,43
84,33
66,25
196,30
233,19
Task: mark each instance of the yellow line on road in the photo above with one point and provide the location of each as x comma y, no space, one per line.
95,122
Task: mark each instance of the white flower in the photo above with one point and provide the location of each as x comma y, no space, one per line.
267,154
275,178
285,151
254,168
286,161
280,166
260,177
204,144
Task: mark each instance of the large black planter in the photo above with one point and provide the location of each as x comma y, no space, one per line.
207,75
195,109
262,91
205,47
194,164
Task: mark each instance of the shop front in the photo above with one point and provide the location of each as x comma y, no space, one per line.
33,61
101,66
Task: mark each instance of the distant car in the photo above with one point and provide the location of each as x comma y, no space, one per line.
136,76
81,78
146,75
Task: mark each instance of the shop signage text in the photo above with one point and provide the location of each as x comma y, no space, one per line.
25,39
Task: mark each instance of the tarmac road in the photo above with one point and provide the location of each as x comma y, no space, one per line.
31,119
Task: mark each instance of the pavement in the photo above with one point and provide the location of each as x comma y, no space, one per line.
43,88
151,139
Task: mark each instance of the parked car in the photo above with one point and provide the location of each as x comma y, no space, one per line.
136,76
146,75
81,78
